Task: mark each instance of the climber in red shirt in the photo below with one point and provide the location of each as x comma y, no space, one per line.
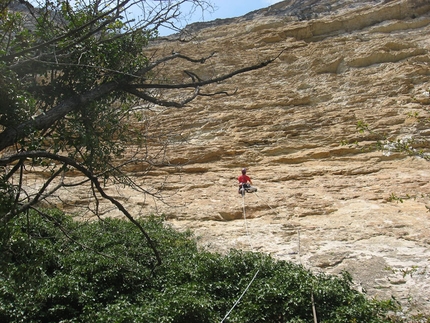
244,180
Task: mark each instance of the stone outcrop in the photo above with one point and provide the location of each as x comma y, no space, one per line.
326,197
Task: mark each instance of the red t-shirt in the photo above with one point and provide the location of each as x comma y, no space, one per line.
243,179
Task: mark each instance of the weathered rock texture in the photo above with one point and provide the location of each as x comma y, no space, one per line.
325,198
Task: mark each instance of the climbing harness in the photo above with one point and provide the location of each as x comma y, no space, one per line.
245,187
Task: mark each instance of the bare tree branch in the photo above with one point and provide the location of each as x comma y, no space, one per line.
14,211
164,103
171,57
11,134
209,81
94,180
193,76
218,93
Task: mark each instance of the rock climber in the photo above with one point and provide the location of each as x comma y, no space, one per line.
244,180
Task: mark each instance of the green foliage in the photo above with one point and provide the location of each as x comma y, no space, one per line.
411,145
7,196
362,126
59,52
393,197
407,145
101,272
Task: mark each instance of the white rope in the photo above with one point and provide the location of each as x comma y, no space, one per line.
298,246
269,205
253,278
237,302
246,222
250,243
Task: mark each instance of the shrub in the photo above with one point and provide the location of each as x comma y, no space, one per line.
54,269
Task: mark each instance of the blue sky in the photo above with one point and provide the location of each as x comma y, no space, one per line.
235,8
229,9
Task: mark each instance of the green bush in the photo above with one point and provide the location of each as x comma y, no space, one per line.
54,269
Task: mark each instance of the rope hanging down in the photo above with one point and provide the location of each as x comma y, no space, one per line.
250,243
314,314
237,302
246,223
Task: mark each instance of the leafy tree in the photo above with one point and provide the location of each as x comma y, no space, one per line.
100,272
74,75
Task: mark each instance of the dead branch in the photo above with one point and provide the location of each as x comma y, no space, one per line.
71,162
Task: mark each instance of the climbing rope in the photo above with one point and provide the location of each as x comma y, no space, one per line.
246,222
265,201
255,275
258,270
314,313
237,302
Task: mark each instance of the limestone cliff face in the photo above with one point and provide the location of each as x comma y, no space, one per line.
325,198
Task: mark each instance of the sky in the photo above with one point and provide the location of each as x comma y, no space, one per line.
236,8
228,9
